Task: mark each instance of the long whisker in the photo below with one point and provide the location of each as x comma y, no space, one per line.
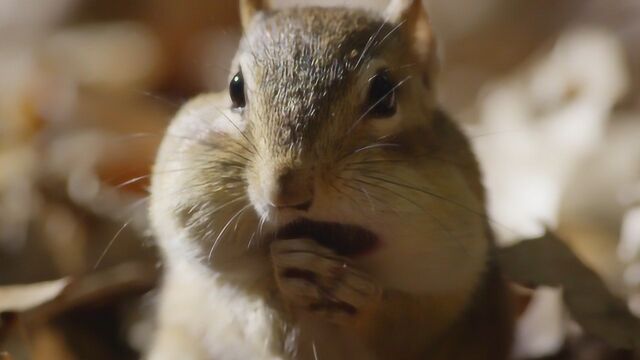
251,240
395,28
315,352
429,192
211,213
343,193
211,145
368,196
390,191
363,163
163,99
239,131
110,244
361,190
131,208
263,220
405,66
424,191
169,171
382,201
132,181
224,229
439,222
376,146
367,46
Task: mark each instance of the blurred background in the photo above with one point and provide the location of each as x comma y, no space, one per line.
546,89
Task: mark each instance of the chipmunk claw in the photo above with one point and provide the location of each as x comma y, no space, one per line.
314,278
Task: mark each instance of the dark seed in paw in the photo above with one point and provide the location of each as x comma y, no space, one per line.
344,239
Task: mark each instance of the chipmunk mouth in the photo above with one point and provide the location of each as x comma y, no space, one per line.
344,239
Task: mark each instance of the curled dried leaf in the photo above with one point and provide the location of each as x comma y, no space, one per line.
547,261
19,298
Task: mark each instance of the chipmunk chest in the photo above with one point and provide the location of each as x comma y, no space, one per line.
314,339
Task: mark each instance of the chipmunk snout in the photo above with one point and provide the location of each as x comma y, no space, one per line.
290,189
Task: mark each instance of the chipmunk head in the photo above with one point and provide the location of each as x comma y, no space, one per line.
329,124
314,86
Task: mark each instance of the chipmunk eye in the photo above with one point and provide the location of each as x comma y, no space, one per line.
236,91
381,101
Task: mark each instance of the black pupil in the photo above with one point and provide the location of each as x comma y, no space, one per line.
382,97
236,91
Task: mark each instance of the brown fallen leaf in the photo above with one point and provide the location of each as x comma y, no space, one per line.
17,298
547,261
79,321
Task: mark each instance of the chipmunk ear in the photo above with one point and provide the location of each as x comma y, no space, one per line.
412,17
249,8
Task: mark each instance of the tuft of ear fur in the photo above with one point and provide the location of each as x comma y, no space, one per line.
413,17
249,8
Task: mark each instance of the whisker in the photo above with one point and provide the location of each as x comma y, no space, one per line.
499,132
380,199
224,229
160,98
362,191
211,145
405,66
414,157
376,146
263,219
110,244
239,131
439,222
394,29
390,191
368,147
343,193
135,136
219,68
429,192
211,213
131,208
169,171
132,181
251,240
315,352
368,196
367,46
235,227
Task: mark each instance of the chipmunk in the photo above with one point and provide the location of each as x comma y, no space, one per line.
325,207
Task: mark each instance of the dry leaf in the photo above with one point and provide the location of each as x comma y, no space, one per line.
24,297
49,343
547,261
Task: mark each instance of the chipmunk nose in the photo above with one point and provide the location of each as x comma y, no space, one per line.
292,189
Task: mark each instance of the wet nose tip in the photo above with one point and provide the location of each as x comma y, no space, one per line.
293,189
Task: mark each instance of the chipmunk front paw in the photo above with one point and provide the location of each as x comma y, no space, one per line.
314,278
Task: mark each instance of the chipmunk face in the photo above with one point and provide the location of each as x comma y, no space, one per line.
328,131
311,104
